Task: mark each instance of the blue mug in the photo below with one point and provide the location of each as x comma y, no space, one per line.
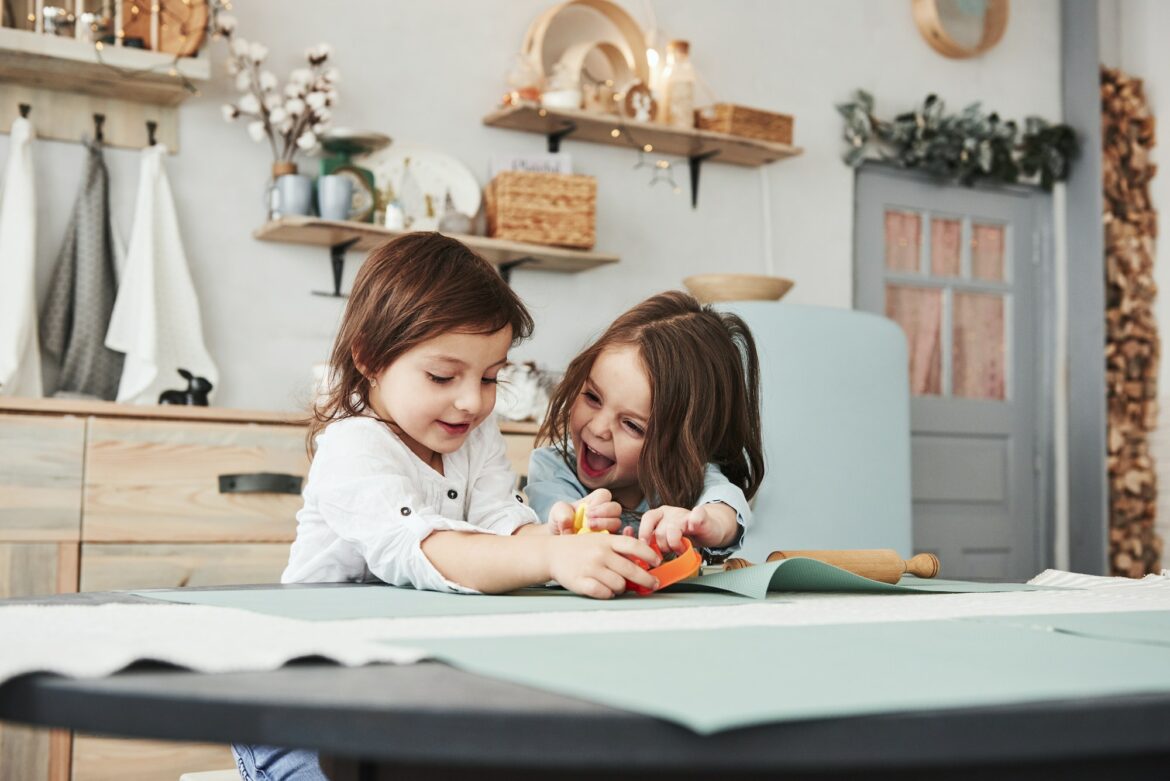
334,197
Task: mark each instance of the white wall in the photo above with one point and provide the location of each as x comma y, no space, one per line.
426,71
1139,32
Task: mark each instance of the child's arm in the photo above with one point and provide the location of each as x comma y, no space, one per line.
595,565
717,522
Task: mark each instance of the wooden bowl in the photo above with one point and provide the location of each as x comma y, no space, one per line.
709,288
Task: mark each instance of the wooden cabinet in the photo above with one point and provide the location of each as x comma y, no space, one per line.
124,498
110,497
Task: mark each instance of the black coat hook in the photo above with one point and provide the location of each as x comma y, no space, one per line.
151,127
24,109
98,121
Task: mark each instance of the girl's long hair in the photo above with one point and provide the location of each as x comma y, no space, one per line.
409,290
705,397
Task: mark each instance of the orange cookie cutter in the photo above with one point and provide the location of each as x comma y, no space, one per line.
685,565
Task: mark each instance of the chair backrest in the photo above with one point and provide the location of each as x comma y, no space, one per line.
835,401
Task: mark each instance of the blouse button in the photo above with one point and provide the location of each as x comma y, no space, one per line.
452,494
405,511
519,498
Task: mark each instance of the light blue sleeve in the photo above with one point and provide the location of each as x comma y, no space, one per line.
550,481
717,488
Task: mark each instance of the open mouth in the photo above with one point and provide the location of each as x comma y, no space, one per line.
592,463
455,429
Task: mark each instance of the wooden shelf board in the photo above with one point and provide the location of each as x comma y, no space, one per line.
598,128
327,233
60,63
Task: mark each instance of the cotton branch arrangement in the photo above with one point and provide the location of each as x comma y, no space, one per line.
291,119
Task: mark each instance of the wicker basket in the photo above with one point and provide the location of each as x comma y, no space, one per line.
746,122
542,208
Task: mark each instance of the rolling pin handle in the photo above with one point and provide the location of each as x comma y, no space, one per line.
924,565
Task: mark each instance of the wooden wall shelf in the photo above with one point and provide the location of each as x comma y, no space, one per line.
342,236
598,128
59,63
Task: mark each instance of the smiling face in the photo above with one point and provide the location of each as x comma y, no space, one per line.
608,423
438,391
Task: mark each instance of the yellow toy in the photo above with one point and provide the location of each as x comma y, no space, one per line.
580,526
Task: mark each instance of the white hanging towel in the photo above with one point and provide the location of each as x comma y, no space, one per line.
156,320
20,353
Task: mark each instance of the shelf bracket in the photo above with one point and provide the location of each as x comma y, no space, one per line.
337,256
506,268
554,138
695,162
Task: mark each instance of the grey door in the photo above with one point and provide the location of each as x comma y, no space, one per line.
960,270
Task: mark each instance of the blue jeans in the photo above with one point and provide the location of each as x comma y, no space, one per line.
269,763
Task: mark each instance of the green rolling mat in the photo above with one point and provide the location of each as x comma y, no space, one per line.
332,602
730,678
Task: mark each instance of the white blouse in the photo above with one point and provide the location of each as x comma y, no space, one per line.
370,502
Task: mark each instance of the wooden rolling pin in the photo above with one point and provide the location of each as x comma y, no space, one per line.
882,564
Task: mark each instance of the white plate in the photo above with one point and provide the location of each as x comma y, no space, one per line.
437,173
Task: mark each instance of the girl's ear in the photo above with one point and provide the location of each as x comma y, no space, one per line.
357,361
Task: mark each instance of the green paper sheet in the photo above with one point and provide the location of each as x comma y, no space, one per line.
333,602
812,575
754,675
1150,627
337,602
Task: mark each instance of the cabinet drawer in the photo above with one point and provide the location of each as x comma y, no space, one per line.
40,477
104,759
108,566
152,481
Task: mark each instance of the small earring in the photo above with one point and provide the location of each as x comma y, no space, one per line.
373,382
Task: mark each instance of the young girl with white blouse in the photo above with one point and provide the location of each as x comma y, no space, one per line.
406,486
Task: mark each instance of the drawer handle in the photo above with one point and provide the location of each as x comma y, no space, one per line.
260,483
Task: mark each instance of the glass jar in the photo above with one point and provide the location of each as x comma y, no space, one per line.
677,108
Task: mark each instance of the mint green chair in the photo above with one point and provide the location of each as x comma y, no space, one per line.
835,401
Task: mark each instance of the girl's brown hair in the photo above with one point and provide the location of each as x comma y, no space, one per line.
409,290
704,397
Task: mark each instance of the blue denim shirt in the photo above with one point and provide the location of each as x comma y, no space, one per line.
551,480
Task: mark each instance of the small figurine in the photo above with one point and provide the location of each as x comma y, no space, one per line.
453,220
194,395
639,104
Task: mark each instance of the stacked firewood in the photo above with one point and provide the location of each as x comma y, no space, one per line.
1132,348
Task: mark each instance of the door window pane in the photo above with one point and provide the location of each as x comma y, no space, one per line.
903,240
979,354
919,312
987,252
946,238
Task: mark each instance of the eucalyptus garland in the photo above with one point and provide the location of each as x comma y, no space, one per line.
966,147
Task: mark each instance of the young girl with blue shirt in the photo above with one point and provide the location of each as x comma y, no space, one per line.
406,486
656,428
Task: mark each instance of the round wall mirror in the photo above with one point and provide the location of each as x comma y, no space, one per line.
961,28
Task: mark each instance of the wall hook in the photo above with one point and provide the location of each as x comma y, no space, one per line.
98,121
24,109
151,127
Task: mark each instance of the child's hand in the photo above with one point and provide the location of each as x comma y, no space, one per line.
603,513
595,565
708,526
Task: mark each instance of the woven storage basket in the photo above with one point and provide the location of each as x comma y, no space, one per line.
542,208
746,122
